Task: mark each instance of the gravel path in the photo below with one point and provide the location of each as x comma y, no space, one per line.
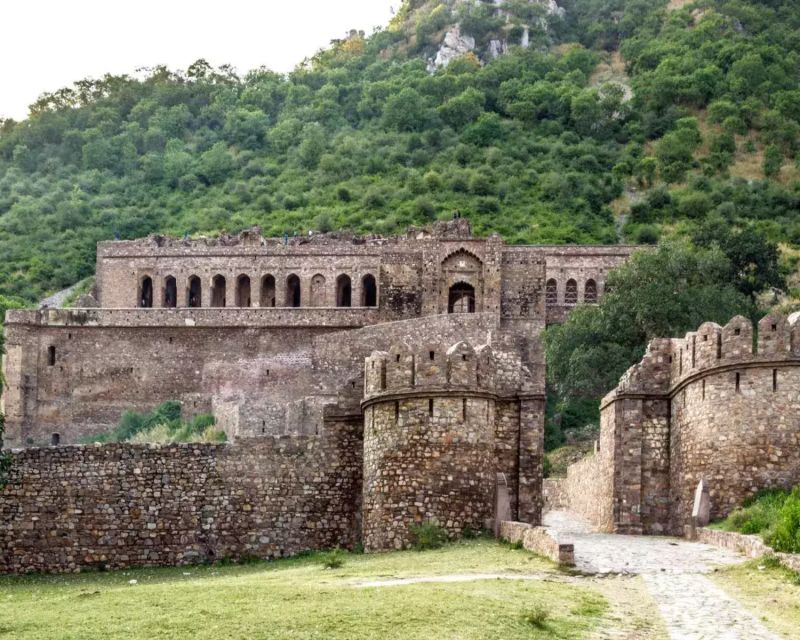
692,606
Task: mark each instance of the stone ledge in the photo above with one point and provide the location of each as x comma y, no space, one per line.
538,540
751,546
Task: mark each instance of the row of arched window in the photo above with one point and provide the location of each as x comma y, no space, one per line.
266,290
570,292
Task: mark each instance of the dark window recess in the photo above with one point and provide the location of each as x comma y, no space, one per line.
396,412
430,407
431,355
55,440
774,380
738,382
51,356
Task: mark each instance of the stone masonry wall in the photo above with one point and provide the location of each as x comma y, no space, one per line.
116,506
712,406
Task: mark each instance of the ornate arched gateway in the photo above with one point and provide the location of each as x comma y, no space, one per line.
461,283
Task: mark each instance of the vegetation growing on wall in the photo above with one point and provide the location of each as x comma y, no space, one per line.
162,425
772,514
363,137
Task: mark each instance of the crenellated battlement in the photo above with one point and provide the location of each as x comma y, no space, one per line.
670,362
432,367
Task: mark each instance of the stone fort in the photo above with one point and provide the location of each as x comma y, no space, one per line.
365,385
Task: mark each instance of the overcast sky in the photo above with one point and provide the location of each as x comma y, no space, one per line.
49,44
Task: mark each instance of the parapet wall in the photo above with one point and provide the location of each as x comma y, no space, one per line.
717,405
116,506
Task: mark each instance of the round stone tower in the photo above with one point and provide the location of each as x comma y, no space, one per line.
429,417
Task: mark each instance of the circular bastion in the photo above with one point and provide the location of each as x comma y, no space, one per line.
428,441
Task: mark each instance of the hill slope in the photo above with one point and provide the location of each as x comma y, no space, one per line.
374,134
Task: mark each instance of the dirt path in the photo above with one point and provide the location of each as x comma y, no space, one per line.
692,607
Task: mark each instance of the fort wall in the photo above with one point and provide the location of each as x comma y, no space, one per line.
719,405
115,506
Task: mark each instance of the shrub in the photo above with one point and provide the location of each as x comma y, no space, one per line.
536,616
786,534
427,535
332,559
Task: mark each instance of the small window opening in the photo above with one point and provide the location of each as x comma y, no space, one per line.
69,336
737,332
55,439
719,346
396,412
430,407
774,380
774,327
431,355
705,338
704,389
738,382
464,410
680,362
170,340
694,350
464,357
51,356
397,358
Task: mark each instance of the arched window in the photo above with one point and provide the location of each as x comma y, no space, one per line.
318,297
146,292
194,297
551,293
369,291
590,292
243,291
344,291
461,299
293,291
267,291
170,292
571,293
218,291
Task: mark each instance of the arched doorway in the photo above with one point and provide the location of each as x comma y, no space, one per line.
170,292
344,291
293,291
218,291
146,292
369,291
551,293
267,291
243,291
194,296
590,292
571,293
461,298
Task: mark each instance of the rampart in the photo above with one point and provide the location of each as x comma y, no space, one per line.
717,405
114,506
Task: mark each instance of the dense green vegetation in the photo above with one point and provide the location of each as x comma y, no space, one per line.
772,514
364,137
162,425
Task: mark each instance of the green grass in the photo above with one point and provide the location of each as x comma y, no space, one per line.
773,514
301,598
768,590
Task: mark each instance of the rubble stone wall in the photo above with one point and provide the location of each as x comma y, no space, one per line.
114,506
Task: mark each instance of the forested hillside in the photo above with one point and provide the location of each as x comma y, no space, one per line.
544,143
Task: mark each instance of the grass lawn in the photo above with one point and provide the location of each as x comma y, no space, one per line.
768,590
300,598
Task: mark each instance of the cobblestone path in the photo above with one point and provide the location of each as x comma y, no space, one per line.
693,607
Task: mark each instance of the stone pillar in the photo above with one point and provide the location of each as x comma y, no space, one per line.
531,459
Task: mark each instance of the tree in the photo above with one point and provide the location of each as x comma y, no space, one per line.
773,161
661,293
404,111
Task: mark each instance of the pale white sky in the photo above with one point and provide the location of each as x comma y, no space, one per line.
49,44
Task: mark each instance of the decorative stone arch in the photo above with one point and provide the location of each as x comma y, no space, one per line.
293,292
243,291
344,291
590,291
571,293
218,290
318,297
145,299
194,292
170,297
551,292
461,282
267,297
369,291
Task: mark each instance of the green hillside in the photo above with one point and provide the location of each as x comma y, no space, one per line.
540,144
